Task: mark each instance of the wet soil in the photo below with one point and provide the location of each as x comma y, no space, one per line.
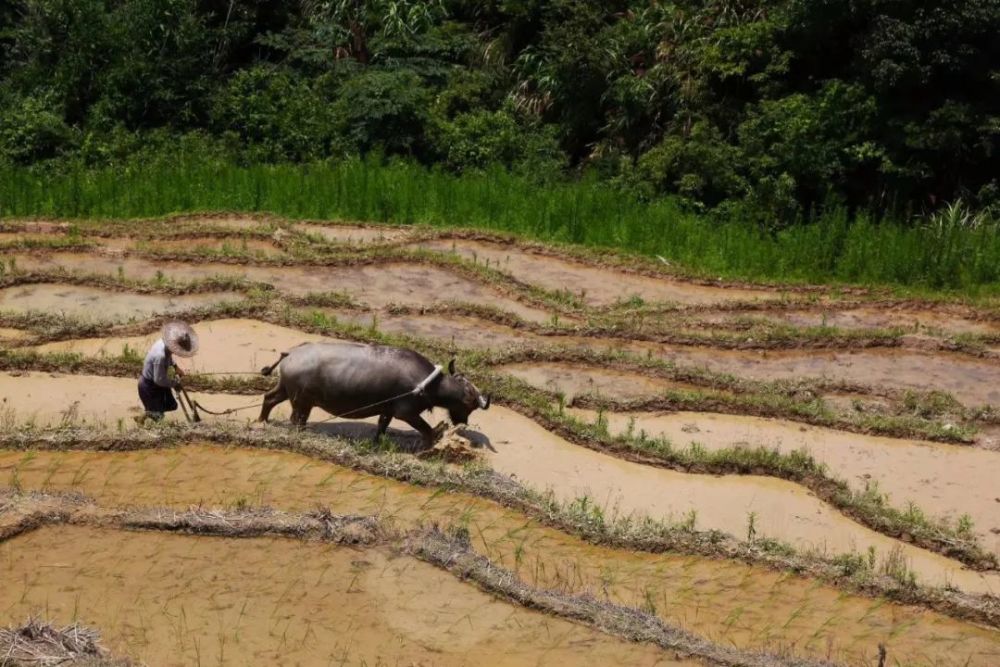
598,287
725,601
225,346
973,382
944,480
147,594
234,245
354,235
377,286
914,320
572,381
92,303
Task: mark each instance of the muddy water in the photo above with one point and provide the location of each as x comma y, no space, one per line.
945,480
572,381
515,445
91,303
599,287
722,600
180,600
229,345
354,234
48,399
377,286
518,446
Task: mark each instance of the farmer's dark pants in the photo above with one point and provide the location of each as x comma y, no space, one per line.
156,399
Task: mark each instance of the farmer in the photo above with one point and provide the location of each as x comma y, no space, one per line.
176,339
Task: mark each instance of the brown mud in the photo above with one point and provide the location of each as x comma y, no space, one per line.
375,285
721,600
598,287
146,591
574,380
92,303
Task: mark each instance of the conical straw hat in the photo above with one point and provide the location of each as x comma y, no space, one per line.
180,338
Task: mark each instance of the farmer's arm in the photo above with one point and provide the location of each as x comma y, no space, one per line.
160,375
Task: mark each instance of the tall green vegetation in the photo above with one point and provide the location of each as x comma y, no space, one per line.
952,249
757,116
762,111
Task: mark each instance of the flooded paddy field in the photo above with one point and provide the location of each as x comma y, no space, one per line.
177,599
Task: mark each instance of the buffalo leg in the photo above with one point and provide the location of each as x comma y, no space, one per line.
430,435
383,426
300,413
271,399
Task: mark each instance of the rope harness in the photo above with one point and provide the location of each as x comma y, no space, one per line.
416,391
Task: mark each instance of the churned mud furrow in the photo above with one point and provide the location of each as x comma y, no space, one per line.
945,480
146,591
94,304
375,285
723,601
515,445
597,286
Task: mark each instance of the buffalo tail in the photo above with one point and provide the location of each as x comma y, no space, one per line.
267,370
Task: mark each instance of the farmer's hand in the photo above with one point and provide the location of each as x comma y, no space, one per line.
179,371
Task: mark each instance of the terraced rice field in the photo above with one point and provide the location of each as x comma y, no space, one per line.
671,473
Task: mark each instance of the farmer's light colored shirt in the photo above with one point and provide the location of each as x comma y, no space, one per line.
158,361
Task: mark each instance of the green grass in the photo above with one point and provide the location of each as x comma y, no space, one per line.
953,251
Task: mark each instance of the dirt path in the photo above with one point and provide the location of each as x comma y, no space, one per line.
91,303
717,599
945,480
599,287
146,592
377,286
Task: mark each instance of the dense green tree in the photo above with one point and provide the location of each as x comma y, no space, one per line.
765,109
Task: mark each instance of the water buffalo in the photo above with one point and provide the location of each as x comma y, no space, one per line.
355,381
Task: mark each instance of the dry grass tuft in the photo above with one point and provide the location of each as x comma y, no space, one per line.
37,643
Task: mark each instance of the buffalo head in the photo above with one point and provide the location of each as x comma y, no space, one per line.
469,397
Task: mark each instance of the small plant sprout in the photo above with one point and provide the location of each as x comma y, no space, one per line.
751,526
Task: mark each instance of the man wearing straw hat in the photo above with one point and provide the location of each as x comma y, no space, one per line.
176,339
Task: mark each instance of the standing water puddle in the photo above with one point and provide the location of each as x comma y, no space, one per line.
179,600
718,599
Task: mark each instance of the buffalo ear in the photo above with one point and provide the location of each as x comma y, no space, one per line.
451,366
